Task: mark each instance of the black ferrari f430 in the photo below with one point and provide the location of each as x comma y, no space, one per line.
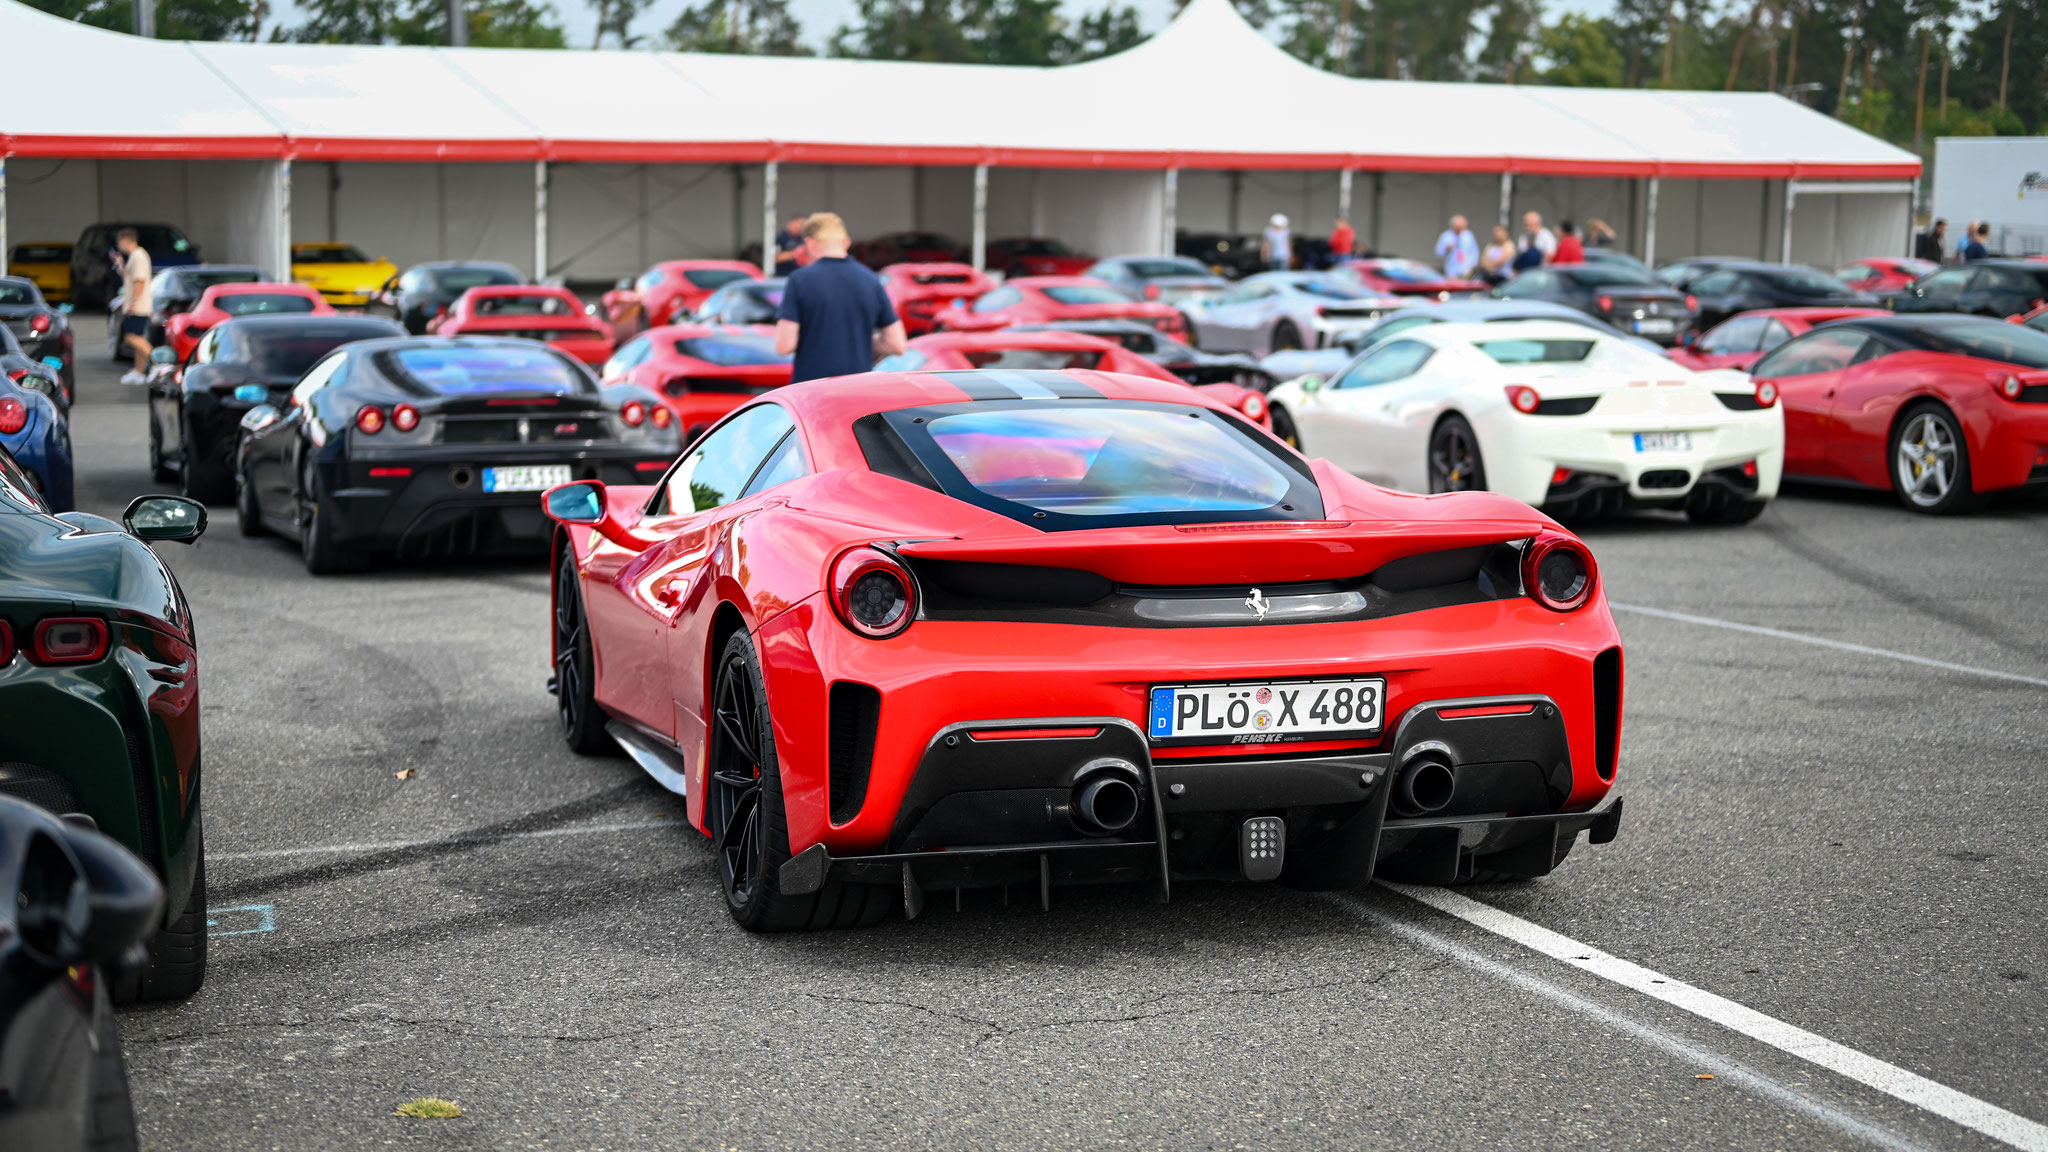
423,447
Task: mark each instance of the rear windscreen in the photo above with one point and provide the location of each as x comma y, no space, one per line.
205,278
1042,359
454,370
1535,351
288,354
1407,271
463,279
262,303
1155,269
1598,275
738,350
709,278
1803,282
2006,343
1086,294
754,305
523,306
1066,463
43,253
345,254
13,293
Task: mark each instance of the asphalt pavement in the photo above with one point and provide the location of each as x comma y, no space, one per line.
1833,771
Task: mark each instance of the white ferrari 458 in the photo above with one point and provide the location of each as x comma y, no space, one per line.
1573,421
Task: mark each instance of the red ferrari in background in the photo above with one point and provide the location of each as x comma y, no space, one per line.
897,634
226,301
1034,256
1884,273
1742,340
700,371
907,248
1942,409
919,291
1046,299
669,292
554,316
2037,319
1393,276
1053,350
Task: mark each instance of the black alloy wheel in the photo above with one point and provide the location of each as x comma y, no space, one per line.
1286,337
744,813
159,470
317,546
201,478
248,514
1455,464
1283,427
575,689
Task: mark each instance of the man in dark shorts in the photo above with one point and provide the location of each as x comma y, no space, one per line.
833,309
135,297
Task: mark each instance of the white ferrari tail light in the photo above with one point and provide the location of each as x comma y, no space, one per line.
873,593
1523,397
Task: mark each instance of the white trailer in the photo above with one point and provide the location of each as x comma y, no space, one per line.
2002,180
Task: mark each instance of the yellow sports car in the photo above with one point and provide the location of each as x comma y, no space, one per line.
340,272
49,265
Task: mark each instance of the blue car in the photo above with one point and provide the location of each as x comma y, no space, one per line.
34,431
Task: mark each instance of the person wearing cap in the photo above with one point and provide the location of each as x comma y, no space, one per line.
1276,244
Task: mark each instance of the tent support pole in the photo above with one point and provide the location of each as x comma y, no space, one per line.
1169,211
771,177
1785,233
1650,223
980,217
283,252
1507,196
1344,193
1379,197
4,249
540,221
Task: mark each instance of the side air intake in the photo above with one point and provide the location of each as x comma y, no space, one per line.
855,708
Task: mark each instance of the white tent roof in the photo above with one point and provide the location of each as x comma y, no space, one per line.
1207,92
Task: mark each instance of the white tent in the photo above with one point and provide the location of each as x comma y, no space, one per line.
594,163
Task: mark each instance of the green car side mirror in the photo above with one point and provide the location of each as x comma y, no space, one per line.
154,518
1311,384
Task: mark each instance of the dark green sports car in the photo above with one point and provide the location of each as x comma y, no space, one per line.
99,697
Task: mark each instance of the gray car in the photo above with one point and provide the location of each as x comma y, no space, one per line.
1276,311
1330,361
1167,279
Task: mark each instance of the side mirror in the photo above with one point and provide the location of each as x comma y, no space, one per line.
258,418
251,393
65,308
583,502
54,362
1311,384
162,355
154,518
78,897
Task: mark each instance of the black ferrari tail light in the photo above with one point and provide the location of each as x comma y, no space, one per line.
369,420
405,417
873,593
1558,572
69,640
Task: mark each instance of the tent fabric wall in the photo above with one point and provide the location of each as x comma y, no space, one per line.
409,212
607,221
229,208
1721,218
1830,229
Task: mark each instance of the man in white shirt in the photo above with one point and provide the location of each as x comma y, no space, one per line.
1535,235
1276,244
137,299
1458,249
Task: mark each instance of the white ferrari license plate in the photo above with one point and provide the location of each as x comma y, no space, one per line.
1656,326
1663,441
1275,712
525,477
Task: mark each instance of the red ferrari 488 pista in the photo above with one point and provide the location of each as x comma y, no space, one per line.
901,633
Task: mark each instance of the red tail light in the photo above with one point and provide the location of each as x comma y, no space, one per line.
370,420
6,643
405,417
1607,303
1253,405
1523,397
1559,476
69,640
1766,393
1151,291
389,473
1692,303
1749,469
13,415
873,594
661,416
1558,572
40,324
2011,387
634,413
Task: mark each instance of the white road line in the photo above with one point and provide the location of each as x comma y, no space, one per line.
488,838
1843,645
1702,1059
1890,1079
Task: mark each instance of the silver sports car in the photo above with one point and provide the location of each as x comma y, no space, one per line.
1275,311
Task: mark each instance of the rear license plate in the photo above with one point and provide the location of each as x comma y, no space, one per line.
525,478
1663,441
1275,712
1655,326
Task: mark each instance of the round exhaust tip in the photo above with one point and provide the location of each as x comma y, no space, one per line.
1105,803
1424,786
460,476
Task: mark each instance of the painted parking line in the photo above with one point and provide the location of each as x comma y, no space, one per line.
1824,642
241,920
1910,1087
440,842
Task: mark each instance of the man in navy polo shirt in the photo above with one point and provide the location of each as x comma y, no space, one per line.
833,308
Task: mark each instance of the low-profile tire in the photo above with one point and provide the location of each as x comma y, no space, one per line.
1283,427
248,517
744,811
111,1124
159,470
204,476
1930,462
177,953
1729,512
575,683
1286,337
317,546
1455,462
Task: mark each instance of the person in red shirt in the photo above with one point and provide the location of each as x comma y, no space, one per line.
1342,238
1570,250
